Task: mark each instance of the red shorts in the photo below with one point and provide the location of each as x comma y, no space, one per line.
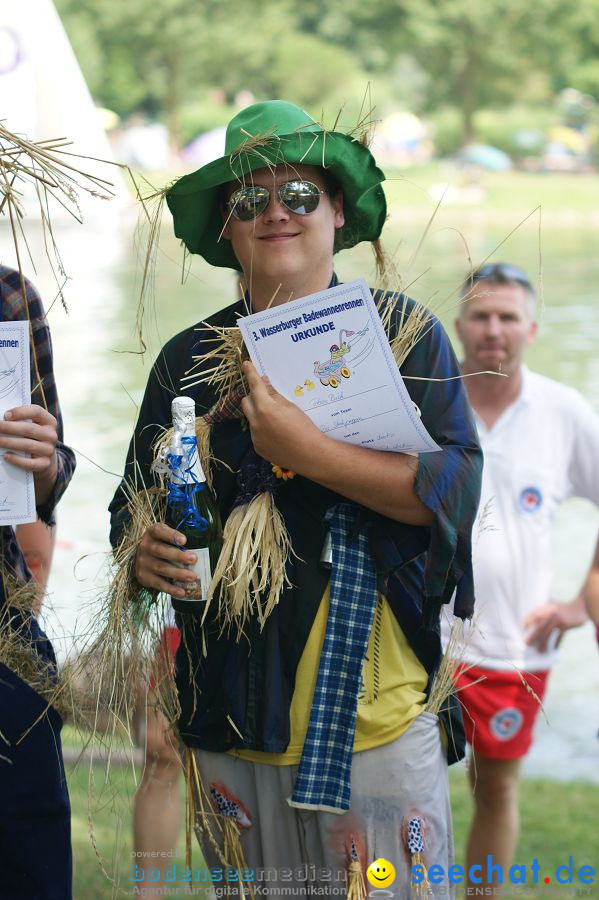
499,712
167,648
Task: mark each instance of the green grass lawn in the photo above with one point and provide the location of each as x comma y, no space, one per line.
501,191
102,832
558,820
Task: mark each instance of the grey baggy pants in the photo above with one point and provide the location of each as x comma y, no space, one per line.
287,847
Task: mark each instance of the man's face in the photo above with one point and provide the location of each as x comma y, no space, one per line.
495,326
280,244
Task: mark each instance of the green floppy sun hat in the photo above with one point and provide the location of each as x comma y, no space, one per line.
268,134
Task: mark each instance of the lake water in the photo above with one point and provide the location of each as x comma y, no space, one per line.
101,377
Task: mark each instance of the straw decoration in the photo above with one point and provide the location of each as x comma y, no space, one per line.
252,562
356,887
53,172
200,816
17,651
221,365
414,838
234,819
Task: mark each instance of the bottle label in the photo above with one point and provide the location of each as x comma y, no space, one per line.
197,590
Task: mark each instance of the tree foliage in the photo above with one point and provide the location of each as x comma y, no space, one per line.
478,54
423,54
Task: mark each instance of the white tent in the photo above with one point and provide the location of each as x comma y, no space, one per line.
43,93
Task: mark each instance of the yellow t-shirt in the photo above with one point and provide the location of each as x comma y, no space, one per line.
391,696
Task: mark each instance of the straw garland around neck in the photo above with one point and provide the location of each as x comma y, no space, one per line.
251,572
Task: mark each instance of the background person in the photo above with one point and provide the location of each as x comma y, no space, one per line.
35,824
541,445
36,540
591,592
157,807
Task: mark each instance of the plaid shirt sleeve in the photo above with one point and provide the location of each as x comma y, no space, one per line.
448,483
21,301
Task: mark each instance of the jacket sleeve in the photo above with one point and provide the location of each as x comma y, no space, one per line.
447,482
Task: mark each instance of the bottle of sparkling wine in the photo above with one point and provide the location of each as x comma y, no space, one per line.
191,507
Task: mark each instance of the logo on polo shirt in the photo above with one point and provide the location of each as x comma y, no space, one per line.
506,723
530,499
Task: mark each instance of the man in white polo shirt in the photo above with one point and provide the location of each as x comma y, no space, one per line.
541,445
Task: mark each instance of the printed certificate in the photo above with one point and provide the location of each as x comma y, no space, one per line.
17,495
329,354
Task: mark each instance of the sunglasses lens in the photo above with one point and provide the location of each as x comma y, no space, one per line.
503,270
301,197
247,203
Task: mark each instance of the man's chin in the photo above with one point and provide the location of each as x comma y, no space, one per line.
282,270
491,359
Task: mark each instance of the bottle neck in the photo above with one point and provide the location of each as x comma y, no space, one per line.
183,457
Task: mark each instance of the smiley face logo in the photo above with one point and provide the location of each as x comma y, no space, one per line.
380,873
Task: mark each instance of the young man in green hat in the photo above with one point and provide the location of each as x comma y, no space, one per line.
310,732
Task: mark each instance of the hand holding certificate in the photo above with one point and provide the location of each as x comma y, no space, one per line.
329,355
27,432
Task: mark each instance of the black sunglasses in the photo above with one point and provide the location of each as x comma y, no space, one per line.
500,272
300,197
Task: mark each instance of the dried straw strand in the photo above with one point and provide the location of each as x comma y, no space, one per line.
220,366
252,563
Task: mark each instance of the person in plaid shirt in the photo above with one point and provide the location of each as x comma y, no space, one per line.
35,848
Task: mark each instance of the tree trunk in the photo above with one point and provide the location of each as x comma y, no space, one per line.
467,95
467,125
172,104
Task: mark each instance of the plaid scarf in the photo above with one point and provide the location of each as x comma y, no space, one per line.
255,475
324,776
226,408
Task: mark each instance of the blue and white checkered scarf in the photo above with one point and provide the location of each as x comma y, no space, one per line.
324,777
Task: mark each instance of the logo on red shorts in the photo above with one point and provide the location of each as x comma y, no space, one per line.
530,499
506,723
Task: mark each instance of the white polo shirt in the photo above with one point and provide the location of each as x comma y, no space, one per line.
543,449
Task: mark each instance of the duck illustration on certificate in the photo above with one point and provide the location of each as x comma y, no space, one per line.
329,372
328,353
335,369
332,371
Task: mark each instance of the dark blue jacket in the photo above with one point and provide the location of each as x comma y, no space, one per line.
245,687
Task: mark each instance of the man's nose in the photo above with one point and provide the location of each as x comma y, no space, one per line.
493,325
276,211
